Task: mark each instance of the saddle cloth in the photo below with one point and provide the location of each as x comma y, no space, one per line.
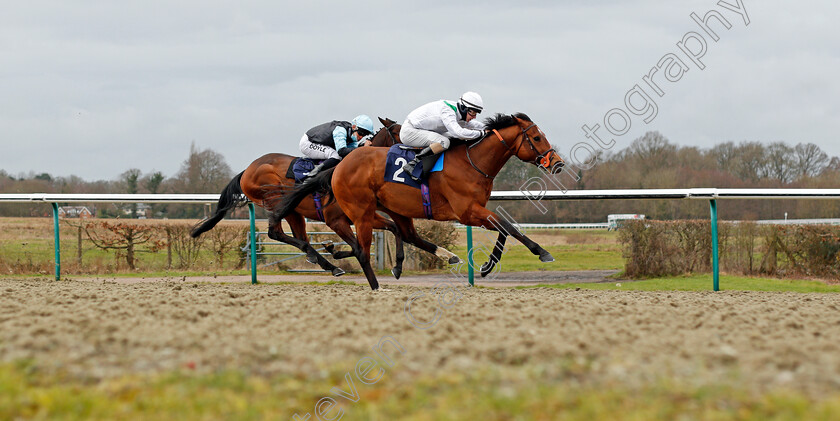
300,167
399,155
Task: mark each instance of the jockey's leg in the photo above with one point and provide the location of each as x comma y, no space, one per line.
329,163
434,143
318,152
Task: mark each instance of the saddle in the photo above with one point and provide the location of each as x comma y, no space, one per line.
427,162
300,168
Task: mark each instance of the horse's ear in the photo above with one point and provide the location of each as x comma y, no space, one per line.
383,121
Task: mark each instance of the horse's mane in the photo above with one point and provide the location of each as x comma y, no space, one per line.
500,121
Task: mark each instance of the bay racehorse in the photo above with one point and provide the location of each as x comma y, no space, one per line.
264,182
458,193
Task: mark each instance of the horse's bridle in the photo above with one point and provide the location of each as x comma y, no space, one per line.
542,160
391,135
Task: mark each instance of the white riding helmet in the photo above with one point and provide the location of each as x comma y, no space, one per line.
472,100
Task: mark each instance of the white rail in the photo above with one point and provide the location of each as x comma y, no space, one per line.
108,198
652,194
710,194
697,193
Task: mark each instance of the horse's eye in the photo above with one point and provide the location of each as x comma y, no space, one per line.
537,138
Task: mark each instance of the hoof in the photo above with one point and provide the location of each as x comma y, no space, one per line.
382,290
545,258
486,268
454,260
396,272
338,272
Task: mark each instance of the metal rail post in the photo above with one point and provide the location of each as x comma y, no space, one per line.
380,249
715,261
57,243
470,274
253,236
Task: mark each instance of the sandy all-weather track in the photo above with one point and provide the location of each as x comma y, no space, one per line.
103,329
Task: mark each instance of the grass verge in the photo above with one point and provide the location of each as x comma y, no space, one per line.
525,393
703,282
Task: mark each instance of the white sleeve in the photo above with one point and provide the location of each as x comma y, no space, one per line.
454,129
475,124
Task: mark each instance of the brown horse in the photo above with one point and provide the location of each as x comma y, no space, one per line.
458,193
264,182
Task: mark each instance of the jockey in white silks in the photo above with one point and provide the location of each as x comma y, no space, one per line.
432,125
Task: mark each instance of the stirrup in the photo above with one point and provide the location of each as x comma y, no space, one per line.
314,171
409,169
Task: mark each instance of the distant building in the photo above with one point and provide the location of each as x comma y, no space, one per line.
614,221
75,212
144,210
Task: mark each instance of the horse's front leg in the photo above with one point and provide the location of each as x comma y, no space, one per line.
380,222
479,216
494,258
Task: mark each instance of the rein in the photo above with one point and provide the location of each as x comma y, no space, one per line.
542,160
391,135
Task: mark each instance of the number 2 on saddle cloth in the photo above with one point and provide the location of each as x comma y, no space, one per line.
398,156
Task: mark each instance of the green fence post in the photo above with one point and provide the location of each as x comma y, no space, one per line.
253,234
57,243
715,261
470,274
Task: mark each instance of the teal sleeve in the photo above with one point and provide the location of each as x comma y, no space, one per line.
340,139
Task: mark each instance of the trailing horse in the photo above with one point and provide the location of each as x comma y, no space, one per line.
264,182
458,193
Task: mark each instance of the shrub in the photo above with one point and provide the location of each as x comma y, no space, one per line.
664,248
442,234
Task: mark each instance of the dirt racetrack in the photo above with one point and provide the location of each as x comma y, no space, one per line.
101,329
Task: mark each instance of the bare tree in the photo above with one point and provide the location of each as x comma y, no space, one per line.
750,161
810,160
832,167
652,151
204,171
780,162
725,154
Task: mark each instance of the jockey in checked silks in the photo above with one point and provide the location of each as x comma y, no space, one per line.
431,126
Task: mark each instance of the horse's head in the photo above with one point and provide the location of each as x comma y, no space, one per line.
388,135
533,146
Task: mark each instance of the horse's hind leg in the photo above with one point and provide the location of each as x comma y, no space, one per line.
409,233
379,222
298,225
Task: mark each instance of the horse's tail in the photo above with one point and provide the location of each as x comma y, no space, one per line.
320,183
231,197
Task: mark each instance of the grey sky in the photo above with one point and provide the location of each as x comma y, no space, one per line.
93,88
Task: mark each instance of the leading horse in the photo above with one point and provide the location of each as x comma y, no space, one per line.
458,193
264,182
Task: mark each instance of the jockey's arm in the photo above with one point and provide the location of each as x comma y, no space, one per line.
475,124
342,146
454,129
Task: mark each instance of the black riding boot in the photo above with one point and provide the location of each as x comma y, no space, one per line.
329,163
408,168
